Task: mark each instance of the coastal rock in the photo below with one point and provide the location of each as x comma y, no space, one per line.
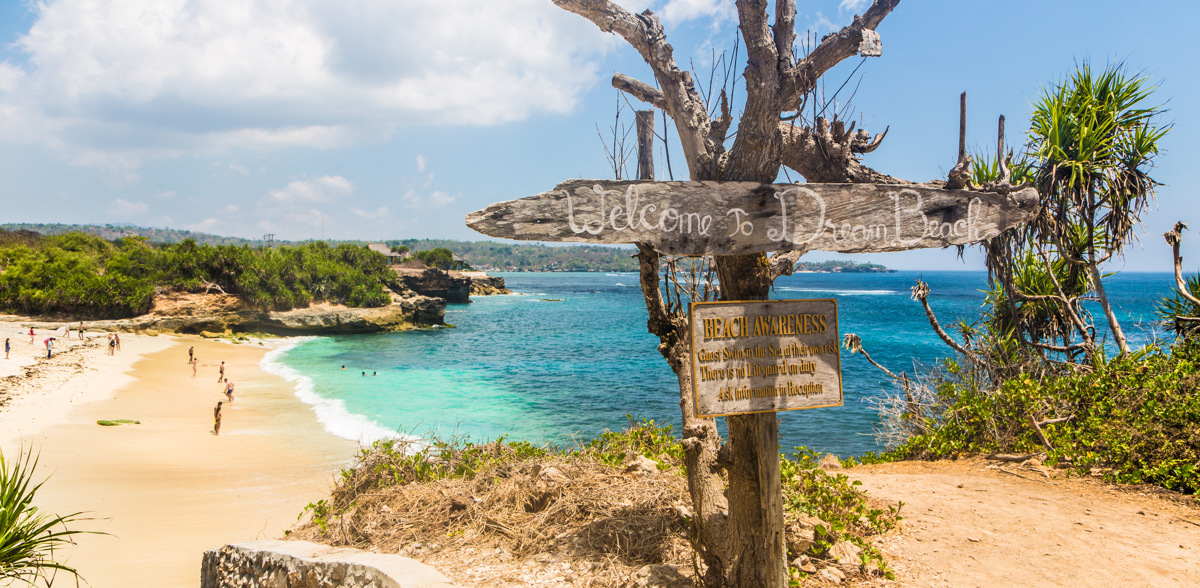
485,285
220,314
435,283
300,563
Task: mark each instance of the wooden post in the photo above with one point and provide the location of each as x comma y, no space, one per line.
962,126
645,144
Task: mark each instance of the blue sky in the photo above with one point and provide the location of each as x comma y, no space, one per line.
377,119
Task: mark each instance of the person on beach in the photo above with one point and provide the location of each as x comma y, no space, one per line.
68,332
221,373
112,344
191,353
229,390
31,335
117,338
7,347
194,361
217,419
49,347
81,330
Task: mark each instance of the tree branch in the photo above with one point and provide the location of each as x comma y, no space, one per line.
640,90
645,33
832,50
1173,239
826,154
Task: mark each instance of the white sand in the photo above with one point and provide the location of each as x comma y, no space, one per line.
167,489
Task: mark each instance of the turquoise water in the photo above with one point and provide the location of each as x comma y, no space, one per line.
570,356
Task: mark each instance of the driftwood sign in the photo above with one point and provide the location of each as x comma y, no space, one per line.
726,218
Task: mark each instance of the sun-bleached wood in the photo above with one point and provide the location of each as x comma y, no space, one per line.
734,218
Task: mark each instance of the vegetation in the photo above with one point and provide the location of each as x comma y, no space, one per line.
524,498
523,257
1032,377
28,535
438,257
841,266
84,276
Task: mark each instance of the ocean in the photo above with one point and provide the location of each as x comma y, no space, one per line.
569,357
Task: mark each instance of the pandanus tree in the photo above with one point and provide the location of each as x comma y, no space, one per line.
736,535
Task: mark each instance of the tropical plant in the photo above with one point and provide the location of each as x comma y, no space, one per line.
28,535
1094,139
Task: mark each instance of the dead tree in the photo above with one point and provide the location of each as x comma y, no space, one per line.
738,533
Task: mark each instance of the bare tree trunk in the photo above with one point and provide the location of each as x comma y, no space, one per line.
1102,296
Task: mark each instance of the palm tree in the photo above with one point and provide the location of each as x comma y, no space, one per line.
28,536
1094,140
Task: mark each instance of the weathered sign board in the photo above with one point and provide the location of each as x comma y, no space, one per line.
765,356
728,218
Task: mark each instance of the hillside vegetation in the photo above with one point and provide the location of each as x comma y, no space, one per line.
83,276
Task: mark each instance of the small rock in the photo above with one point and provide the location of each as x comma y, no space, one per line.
641,465
553,474
845,553
833,575
830,462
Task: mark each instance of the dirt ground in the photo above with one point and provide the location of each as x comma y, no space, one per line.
986,523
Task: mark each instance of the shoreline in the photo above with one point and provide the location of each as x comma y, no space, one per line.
167,489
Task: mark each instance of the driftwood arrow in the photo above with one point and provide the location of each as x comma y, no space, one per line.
726,218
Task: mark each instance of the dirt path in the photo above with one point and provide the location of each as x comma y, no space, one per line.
968,523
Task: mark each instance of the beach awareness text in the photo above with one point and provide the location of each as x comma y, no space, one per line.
612,210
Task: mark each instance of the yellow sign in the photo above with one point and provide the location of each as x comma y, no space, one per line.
765,356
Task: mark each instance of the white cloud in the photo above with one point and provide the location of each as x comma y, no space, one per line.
676,11
435,199
148,78
203,226
124,208
855,6
239,169
169,194
821,25
421,162
322,189
381,212
230,209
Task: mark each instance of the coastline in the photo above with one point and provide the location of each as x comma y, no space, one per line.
167,489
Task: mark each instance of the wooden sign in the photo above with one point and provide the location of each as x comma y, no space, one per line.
726,218
765,356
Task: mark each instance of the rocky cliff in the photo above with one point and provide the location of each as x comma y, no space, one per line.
221,313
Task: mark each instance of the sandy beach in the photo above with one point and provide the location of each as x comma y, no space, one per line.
167,489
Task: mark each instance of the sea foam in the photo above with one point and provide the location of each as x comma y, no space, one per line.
331,413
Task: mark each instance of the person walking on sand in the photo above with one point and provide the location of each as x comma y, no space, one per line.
194,361
191,353
217,419
112,344
81,330
49,347
7,347
229,390
117,337
221,373
31,335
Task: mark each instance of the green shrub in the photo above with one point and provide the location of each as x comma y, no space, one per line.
28,535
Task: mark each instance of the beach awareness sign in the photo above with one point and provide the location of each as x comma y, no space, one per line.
731,218
765,356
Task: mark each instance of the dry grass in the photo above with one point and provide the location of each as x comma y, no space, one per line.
572,514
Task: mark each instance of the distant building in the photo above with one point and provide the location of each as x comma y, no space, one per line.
459,263
392,258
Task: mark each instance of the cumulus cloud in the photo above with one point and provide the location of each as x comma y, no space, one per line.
421,162
149,78
124,208
322,189
230,209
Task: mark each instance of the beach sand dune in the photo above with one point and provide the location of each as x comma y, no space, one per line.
168,489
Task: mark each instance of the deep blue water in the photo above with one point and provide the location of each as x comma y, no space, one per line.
570,356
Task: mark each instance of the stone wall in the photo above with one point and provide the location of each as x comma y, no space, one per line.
300,564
